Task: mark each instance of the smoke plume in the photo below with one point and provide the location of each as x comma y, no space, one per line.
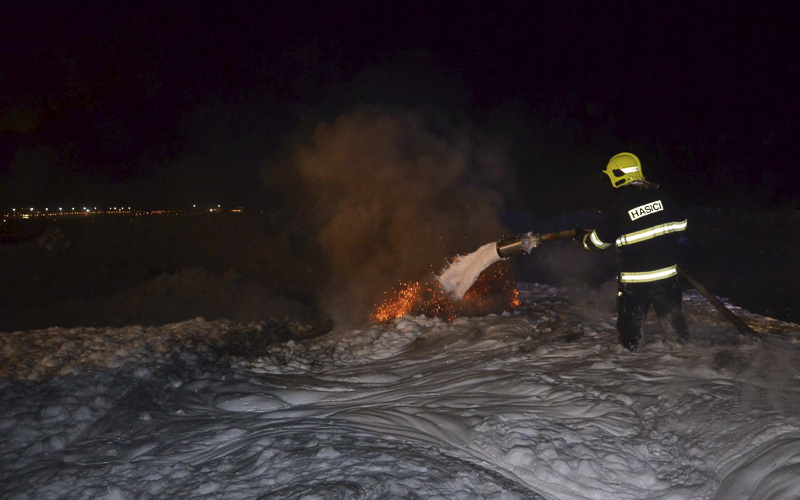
389,196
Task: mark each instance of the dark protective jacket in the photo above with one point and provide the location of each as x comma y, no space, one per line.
642,223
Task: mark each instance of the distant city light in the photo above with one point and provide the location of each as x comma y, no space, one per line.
36,213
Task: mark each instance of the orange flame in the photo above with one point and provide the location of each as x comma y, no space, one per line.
492,292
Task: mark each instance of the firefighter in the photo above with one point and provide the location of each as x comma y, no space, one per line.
643,224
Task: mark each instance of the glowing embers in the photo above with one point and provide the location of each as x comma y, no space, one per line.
425,297
493,292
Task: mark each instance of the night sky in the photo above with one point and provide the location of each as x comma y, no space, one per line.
164,104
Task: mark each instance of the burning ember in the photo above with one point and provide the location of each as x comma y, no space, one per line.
492,292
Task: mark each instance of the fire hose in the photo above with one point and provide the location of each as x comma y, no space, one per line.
719,306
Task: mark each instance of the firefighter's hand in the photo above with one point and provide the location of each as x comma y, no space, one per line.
580,233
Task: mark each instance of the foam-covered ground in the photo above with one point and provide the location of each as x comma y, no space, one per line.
539,403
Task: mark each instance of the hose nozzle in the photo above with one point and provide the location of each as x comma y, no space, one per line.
515,245
521,244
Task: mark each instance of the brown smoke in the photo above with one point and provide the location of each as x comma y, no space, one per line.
389,195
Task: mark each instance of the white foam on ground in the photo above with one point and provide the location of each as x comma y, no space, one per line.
457,279
539,404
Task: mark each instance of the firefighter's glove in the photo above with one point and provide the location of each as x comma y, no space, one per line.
580,234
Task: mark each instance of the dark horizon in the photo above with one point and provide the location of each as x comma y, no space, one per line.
169,104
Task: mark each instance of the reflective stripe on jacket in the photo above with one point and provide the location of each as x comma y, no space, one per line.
647,276
651,232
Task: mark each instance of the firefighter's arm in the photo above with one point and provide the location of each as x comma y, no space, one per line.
590,239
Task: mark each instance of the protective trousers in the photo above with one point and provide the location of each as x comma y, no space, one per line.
634,301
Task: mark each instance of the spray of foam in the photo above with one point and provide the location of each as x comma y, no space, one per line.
461,274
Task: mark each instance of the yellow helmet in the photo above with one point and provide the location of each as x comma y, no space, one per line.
623,169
